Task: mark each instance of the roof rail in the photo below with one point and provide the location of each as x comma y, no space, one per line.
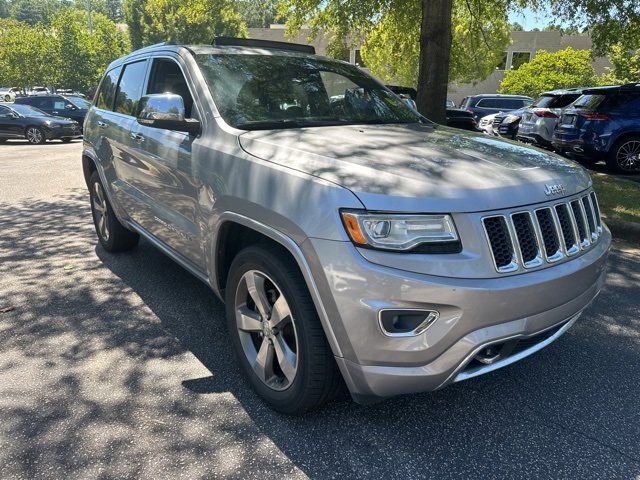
628,86
254,42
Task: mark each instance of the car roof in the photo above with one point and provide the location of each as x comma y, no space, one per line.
497,95
278,48
563,91
633,87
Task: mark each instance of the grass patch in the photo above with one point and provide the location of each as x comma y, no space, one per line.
618,198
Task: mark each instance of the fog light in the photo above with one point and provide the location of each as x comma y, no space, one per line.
406,323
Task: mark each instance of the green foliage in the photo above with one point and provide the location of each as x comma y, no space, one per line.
566,68
392,31
25,54
34,11
80,56
4,9
626,66
189,21
63,53
258,14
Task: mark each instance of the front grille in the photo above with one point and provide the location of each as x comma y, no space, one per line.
500,242
557,231
497,120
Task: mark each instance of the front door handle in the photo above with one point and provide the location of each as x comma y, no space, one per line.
102,124
137,137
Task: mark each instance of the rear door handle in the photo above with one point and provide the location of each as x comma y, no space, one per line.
102,124
137,137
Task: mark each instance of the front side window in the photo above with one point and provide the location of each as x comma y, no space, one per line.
166,77
130,87
280,91
79,102
104,98
28,110
4,112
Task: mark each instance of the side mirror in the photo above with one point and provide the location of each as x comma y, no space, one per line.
166,111
68,106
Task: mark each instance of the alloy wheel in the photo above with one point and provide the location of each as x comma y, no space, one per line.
628,156
99,202
34,135
267,330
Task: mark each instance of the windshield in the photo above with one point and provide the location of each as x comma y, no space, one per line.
254,92
28,111
79,102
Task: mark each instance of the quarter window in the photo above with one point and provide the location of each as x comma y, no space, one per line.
104,98
130,87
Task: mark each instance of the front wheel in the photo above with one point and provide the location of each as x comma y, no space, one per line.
35,136
625,156
7,98
276,332
112,235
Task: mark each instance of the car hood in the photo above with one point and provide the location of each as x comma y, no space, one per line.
420,167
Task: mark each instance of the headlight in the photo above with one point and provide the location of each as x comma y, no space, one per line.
510,119
388,231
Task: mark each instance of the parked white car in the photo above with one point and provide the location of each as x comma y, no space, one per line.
8,94
486,124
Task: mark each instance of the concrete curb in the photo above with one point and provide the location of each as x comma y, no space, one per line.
629,231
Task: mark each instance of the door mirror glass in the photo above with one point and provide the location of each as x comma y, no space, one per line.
166,111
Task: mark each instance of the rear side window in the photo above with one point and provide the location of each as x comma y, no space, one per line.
104,97
589,102
130,88
556,101
44,103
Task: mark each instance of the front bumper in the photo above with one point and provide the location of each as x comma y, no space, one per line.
474,313
63,132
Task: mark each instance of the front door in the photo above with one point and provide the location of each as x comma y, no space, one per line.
163,169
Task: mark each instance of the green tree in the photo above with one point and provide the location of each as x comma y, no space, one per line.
189,21
34,11
4,9
258,14
626,66
109,8
81,56
607,21
135,17
25,54
566,68
392,49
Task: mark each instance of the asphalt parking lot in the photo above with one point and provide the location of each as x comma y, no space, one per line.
118,366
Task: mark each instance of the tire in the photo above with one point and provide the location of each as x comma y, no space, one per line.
7,98
35,135
112,235
624,157
311,377
66,140
3,140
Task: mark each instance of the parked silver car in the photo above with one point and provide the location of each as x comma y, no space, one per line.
352,241
539,120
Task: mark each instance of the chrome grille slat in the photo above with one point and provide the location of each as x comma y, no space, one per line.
529,238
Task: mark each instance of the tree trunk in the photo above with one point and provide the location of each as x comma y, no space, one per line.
435,48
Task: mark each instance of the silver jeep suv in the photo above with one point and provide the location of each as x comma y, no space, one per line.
352,240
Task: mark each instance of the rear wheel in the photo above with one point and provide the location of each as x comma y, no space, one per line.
7,98
35,135
111,234
276,332
625,156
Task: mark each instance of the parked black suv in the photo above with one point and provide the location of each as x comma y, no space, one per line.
68,106
486,104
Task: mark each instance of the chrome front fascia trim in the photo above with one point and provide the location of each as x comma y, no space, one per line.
465,375
432,316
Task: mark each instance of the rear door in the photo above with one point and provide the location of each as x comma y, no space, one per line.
163,171
10,126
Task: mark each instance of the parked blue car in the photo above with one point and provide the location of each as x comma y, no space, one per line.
603,124
486,104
